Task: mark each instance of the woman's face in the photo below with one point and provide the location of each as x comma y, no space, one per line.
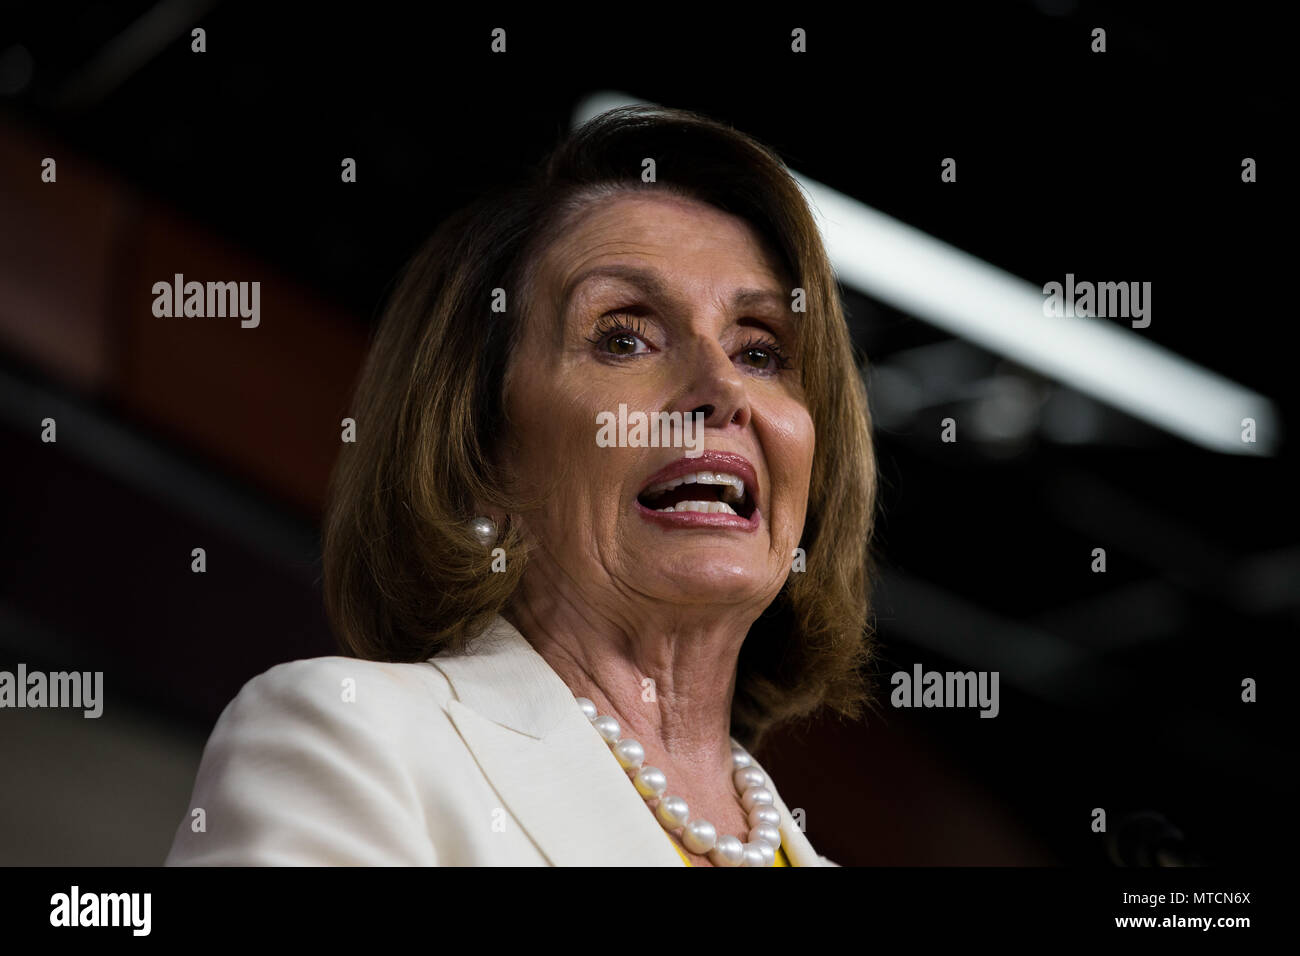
661,304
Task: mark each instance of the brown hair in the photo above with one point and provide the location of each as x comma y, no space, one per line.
404,579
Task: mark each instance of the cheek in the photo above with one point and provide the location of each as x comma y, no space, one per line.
572,414
536,433
792,444
554,427
807,440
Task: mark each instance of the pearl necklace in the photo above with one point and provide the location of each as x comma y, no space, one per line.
700,836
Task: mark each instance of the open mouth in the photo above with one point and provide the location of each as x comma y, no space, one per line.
705,492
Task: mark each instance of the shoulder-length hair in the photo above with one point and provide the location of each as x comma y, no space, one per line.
405,579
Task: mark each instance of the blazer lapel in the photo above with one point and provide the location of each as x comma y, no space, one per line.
552,770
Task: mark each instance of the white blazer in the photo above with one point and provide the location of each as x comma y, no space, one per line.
480,759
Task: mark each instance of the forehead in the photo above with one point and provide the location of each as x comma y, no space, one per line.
687,241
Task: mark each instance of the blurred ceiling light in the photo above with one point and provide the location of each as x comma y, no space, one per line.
917,274
129,51
16,69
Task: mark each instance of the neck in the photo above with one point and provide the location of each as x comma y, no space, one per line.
667,681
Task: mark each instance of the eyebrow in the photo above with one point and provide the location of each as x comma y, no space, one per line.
651,284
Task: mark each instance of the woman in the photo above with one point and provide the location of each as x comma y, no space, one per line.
565,637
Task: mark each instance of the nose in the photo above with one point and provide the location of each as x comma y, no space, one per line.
716,388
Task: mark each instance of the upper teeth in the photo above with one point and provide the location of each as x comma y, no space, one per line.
735,490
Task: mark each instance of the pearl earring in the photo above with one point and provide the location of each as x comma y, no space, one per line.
485,529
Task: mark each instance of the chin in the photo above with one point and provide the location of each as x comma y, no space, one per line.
703,575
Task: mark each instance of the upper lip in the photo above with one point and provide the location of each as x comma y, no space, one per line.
724,461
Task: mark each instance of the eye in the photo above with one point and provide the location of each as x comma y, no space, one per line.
764,355
619,334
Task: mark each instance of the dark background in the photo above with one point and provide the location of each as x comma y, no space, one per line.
1118,690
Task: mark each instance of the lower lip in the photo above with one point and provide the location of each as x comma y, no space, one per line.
698,519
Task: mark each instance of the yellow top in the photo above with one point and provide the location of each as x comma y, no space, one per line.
780,855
